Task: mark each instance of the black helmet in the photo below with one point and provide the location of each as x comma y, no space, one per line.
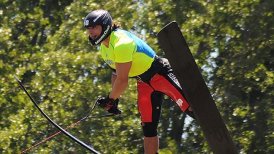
99,17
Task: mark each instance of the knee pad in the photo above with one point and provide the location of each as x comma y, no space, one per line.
149,129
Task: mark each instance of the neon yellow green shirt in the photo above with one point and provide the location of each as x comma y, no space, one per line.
126,47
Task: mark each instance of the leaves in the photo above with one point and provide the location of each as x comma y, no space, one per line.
44,43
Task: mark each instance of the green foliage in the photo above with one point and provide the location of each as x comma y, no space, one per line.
44,43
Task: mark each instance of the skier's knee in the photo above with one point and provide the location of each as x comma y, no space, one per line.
149,129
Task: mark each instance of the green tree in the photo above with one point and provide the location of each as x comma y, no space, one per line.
243,75
44,43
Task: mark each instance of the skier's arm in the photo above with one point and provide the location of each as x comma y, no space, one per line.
121,80
113,78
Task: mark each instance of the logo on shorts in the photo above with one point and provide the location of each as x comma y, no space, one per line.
174,79
180,102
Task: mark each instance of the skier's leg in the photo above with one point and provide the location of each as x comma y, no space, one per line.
149,105
166,82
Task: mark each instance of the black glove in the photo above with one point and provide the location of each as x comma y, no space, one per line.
109,104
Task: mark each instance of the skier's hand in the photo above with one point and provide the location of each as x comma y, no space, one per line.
109,104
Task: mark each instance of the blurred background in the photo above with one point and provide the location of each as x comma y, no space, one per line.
44,43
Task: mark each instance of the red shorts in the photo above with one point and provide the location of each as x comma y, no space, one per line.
166,84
